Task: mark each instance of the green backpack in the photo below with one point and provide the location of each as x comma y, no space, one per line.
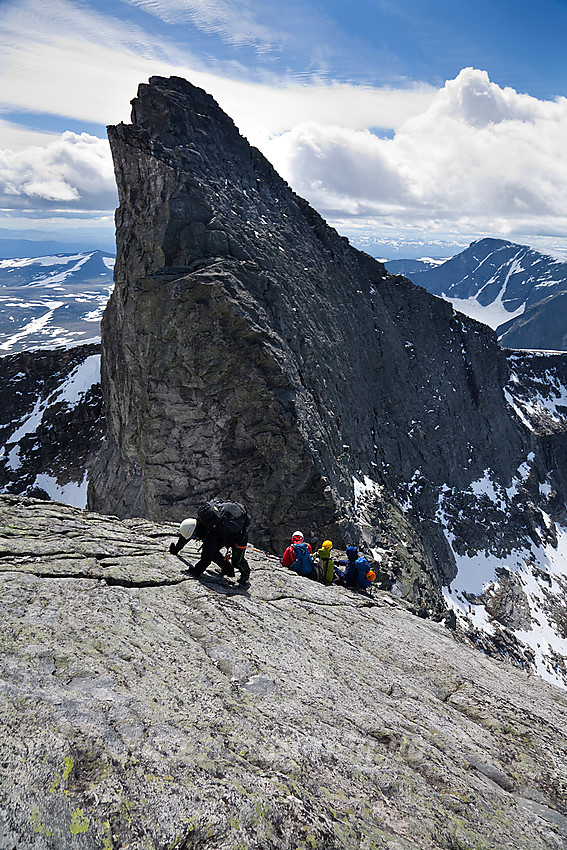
325,566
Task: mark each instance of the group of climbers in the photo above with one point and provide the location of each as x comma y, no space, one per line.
223,524
320,567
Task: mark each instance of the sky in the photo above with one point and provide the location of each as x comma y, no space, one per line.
421,125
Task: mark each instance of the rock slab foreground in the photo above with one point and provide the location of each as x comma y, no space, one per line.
144,709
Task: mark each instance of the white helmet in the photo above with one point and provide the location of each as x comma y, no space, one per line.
297,537
187,528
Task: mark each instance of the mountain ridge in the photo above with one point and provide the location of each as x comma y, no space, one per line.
516,290
249,351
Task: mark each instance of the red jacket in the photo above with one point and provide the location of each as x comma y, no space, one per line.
288,556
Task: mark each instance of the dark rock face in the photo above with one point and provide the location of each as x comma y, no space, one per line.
542,326
51,421
143,709
249,350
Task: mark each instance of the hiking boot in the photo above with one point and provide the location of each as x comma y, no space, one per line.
173,548
243,581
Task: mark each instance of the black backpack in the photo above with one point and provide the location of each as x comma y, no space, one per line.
225,517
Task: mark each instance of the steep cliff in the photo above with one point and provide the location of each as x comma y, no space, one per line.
249,350
143,709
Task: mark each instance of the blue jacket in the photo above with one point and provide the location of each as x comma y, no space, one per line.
355,573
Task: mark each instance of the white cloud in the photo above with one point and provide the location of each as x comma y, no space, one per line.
16,137
75,171
236,22
472,158
479,156
66,60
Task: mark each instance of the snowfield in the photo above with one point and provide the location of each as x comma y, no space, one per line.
53,301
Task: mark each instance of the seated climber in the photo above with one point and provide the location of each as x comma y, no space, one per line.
325,566
299,556
358,574
219,524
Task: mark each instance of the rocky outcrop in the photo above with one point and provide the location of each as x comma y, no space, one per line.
249,350
141,708
51,422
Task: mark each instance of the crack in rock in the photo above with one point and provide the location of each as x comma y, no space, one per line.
112,581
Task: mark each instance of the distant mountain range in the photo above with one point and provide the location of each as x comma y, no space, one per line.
401,249
57,300
517,291
42,243
53,301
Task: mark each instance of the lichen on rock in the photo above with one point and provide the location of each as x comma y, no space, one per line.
146,709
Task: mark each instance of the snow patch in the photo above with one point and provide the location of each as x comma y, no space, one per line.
71,391
53,260
541,570
34,326
73,493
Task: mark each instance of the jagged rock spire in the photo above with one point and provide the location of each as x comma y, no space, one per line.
249,350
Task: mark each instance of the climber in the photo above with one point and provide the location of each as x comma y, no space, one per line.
325,566
358,574
219,525
299,556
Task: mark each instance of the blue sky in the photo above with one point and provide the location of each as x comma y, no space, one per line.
411,122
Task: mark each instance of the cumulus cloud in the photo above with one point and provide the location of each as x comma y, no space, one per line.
477,153
73,172
471,158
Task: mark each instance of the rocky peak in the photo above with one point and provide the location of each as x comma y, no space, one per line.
250,351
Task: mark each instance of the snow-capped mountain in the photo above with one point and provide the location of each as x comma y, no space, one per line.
508,539
517,291
53,301
518,591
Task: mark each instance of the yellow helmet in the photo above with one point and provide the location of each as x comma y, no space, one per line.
327,544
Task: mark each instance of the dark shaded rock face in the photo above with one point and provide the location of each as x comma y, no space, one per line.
141,709
249,350
542,326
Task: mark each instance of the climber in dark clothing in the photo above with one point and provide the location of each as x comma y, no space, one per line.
358,574
226,528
